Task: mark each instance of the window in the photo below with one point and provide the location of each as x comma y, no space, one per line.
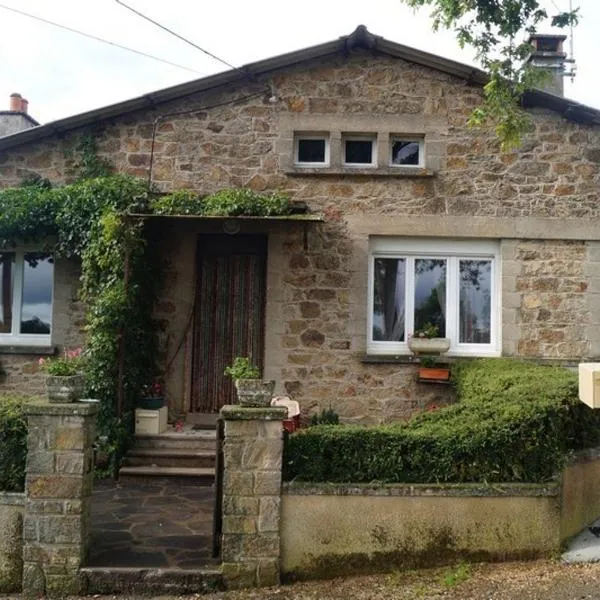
451,284
360,151
311,151
26,282
406,152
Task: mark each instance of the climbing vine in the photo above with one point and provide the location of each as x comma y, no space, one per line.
94,220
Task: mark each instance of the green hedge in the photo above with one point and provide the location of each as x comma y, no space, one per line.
13,443
515,421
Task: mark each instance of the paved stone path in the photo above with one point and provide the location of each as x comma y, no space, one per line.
162,523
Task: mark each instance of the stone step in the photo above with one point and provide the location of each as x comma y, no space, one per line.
148,581
198,476
170,457
204,439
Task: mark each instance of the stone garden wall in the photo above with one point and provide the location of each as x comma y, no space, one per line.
11,541
541,202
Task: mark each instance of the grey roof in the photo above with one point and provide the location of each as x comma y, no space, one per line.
360,38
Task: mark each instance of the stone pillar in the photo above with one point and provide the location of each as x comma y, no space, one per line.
58,490
252,457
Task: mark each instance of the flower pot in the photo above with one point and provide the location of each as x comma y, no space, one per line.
62,389
151,402
419,345
434,373
254,392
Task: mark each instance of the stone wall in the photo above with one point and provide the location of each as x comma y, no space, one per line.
533,200
11,541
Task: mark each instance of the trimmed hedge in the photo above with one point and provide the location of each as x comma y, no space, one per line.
515,421
13,443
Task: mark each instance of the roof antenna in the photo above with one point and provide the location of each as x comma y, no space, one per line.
571,58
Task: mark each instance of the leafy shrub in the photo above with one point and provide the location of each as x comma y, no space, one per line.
229,202
327,416
242,368
13,443
515,421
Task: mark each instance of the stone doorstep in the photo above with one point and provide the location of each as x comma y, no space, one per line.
170,457
115,580
199,476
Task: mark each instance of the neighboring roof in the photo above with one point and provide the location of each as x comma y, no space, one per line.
360,38
20,114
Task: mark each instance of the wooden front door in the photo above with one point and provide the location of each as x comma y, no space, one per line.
229,314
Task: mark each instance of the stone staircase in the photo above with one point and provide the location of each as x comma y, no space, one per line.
189,454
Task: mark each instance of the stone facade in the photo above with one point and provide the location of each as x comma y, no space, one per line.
252,459
11,542
541,202
58,489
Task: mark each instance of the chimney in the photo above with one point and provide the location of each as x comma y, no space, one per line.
16,118
549,56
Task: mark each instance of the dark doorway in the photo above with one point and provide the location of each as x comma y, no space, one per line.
229,314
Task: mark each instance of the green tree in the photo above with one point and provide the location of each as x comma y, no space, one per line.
498,30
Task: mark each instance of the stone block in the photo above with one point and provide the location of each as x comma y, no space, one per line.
239,524
261,545
11,543
35,507
237,483
268,573
239,575
34,580
269,514
30,529
70,438
263,455
40,462
240,505
59,529
231,547
267,483
61,585
71,463
54,486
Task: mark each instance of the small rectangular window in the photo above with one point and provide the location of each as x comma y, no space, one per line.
360,151
26,290
312,151
405,152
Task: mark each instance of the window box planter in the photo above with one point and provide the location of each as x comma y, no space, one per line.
253,393
62,389
151,402
421,345
434,374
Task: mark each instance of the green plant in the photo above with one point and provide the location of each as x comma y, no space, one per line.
13,442
70,362
428,362
327,416
515,421
242,368
429,330
456,574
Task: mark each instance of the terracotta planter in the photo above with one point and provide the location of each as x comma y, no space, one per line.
254,392
419,345
434,373
62,389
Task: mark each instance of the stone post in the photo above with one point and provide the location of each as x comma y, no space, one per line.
58,490
252,457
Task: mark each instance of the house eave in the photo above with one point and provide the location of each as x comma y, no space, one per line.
256,72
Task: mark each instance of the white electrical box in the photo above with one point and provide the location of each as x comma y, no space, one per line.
151,422
589,384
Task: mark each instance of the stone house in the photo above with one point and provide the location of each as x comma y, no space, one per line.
416,219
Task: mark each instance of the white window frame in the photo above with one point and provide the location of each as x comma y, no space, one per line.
404,138
360,138
452,251
15,338
311,137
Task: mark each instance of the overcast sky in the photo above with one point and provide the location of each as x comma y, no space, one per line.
62,74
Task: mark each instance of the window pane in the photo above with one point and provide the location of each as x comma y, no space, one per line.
405,153
430,294
475,301
359,151
7,278
388,299
311,151
36,308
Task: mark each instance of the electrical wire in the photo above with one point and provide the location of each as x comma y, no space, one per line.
143,16
98,39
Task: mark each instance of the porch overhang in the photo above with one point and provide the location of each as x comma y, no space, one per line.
231,224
